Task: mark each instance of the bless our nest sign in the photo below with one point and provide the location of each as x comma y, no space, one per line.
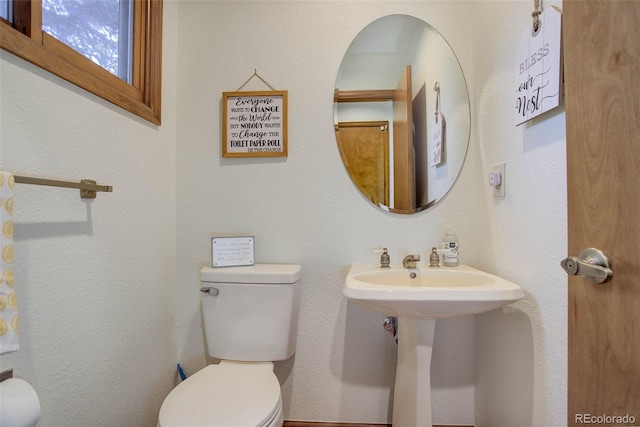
538,86
254,124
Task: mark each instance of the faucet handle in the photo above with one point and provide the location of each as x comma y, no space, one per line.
434,258
385,259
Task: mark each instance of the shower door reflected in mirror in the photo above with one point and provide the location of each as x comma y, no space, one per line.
386,76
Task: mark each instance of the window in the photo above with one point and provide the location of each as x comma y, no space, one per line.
111,48
98,29
4,9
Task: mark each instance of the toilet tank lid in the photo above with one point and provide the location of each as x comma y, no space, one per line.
258,273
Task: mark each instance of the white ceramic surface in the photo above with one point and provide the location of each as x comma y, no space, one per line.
433,293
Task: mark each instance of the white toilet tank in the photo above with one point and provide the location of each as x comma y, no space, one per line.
254,316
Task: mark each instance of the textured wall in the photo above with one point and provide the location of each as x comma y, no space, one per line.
521,350
97,298
304,208
95,280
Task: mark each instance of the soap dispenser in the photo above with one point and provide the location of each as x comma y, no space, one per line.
451,246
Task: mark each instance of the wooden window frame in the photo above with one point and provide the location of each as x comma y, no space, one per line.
25,39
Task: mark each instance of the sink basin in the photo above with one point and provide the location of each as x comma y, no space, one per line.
418,297
432,294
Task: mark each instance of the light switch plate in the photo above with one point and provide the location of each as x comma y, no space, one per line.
498,190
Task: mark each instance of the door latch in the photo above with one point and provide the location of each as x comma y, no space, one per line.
592,263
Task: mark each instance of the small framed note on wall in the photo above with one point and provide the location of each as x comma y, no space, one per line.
254,124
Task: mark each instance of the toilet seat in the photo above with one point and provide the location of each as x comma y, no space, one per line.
226,395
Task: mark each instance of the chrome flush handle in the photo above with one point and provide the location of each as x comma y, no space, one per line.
211,291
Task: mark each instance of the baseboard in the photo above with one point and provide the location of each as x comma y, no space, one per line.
323,424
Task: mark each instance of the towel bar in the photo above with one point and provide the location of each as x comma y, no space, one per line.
88,188
5,375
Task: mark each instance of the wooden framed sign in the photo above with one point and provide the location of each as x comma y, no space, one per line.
254,124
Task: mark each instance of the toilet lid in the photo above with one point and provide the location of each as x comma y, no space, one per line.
226,395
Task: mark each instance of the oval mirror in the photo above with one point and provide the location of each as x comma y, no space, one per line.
401,114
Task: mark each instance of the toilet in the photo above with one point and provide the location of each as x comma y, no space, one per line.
250,319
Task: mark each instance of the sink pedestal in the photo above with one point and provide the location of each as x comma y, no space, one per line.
412,392
417,297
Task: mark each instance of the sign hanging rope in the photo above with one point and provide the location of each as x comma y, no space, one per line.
536,15
255,74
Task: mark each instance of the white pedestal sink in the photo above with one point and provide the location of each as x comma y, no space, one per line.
418,297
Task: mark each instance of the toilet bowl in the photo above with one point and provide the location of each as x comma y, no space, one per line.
229,394
250,319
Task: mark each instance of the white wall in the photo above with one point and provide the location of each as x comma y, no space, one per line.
95,279
304,208
522,350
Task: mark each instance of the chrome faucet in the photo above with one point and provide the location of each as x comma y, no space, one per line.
410,261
